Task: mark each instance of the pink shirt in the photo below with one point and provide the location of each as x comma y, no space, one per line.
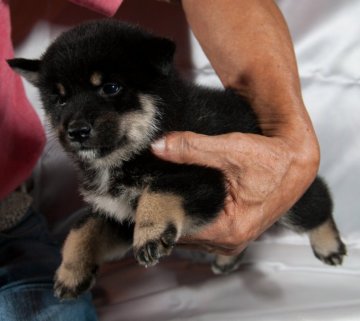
106,7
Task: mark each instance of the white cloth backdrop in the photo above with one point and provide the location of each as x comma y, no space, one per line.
280,278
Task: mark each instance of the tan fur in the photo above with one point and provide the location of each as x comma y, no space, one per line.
96,79
136,123
79,255
139,127
324,239
61,89
85,248
154,213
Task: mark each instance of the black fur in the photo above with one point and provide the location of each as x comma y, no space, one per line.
314,208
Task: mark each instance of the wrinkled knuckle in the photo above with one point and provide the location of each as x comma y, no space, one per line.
250,236
247,235
232,241
307,153
187,146
311,159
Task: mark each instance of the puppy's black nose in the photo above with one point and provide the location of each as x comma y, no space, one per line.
78,131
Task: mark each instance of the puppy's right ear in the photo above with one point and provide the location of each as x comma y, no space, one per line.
29,69
161,53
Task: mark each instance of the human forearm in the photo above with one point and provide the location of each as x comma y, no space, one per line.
249,46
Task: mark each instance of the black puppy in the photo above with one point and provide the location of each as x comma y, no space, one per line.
109,91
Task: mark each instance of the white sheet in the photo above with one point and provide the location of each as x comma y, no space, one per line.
281,282
280,279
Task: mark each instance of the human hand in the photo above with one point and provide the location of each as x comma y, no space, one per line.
265,177
249,46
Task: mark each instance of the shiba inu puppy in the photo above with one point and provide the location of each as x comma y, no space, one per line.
109,90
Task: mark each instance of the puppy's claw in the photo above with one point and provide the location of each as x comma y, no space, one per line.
332,259
150,253
64,291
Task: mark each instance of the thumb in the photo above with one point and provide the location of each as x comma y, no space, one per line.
190,148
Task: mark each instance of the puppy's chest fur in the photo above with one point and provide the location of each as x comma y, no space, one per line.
110,191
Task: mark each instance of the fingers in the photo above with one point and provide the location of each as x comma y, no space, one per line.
184,147
192,148
218,238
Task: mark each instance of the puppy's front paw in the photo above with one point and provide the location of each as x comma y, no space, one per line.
71,280
151,243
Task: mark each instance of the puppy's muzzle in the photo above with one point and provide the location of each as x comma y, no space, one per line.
79,131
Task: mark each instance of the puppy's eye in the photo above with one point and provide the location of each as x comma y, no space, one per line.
110,89
61,101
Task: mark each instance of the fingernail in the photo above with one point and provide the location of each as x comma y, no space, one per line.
159,145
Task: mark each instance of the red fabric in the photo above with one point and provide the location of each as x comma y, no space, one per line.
106,7
21,133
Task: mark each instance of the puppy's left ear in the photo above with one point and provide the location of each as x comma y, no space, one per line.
28,68
161,51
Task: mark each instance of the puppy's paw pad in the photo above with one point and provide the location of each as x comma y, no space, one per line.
149,254
152,250
71,284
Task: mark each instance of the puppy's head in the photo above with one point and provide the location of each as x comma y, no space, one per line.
98,84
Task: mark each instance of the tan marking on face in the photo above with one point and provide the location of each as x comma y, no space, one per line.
60,87
325,238
96,79
139,127
154,213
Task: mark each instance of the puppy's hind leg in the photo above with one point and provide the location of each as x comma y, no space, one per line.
94,240
312,214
